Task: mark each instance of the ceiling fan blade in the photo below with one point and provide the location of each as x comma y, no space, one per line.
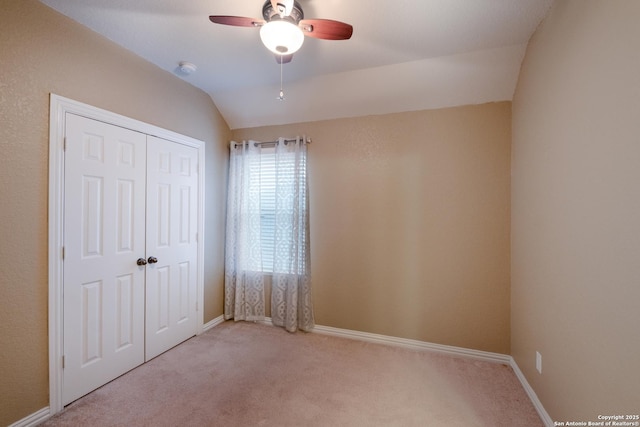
326,29
284,59
236,21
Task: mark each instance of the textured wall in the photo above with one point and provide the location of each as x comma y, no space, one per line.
576,210
410,223
42,52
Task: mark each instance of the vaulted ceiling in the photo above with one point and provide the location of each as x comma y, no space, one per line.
404,55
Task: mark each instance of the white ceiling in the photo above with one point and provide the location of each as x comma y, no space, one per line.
404,55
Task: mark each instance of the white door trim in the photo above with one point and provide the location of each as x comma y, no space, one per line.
59,106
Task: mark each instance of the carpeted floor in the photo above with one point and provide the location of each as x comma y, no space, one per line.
245,374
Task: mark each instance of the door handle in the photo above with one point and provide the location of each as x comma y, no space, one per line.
152,260
141,261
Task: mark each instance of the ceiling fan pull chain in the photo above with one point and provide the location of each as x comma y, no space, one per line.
281,97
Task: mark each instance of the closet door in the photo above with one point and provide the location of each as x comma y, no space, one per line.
172,248
104,235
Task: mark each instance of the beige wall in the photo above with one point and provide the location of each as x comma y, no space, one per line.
42,52
410,223
411,213
576,210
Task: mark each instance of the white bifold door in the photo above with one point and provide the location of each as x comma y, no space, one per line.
130,250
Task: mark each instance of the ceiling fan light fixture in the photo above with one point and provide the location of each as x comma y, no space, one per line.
282,37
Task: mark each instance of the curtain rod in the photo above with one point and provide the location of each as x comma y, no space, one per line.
258,143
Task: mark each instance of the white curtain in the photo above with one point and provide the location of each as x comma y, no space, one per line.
268,233
243,283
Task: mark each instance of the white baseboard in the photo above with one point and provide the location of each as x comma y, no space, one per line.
414,344
33,419
212,323
487,356
546,419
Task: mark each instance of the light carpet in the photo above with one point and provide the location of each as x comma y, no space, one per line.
246,374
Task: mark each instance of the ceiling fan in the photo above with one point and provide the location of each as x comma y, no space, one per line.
283,28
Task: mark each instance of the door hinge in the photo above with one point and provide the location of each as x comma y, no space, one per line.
62,362
63,253
64,144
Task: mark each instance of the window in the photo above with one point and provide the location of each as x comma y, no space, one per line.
263,181
267,207
268,232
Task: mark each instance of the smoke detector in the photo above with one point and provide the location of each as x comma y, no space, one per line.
187,67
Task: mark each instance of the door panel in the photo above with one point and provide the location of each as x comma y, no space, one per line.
125,216
172,188
125,296
104,234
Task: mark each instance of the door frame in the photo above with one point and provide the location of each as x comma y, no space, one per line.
59,107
